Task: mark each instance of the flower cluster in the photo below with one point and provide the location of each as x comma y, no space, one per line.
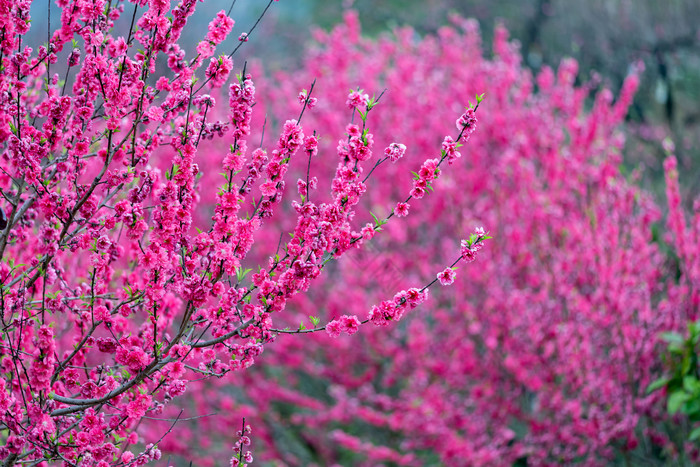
393,310
219,28
242,457
473,244
357,100
346,324
135,195
540,352
466,124
428,172
307,100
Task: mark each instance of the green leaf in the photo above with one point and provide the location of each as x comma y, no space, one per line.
378,222
676,401
695,434
302,326
687,365
690,384
692,409
671,337
658,384
241,273
676,348
694,330
314,320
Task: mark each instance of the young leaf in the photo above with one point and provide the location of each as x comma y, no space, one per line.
241,273
676,401
658,384
671,337
695,434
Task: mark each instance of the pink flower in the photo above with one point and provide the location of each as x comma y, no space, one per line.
417,192
368,231
292,137
429,170
447,276
138,407
74,57
395,151
466,124
346,323
304,98
219,70
311,144
176,388
45,339
469,251
219,27
351,324
385,312
449,146
135,358
402,209
268,188
334,328
357,99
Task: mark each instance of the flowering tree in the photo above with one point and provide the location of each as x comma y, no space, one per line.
123,274
540,355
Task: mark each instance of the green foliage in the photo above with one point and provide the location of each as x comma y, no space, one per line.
241,273
378,223
682,381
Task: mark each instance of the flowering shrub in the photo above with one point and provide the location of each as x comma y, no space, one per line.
541,353
123,274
